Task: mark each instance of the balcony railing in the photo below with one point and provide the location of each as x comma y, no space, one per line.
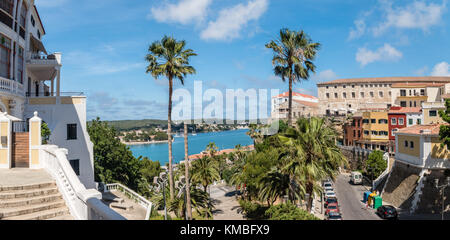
11,86
40,58
49,94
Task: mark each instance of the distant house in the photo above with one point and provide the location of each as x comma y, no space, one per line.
302,105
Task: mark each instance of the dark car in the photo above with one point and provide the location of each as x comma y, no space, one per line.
334,216
330,200
387,212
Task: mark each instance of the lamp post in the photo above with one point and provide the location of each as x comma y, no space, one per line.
181,186
161,184
441,189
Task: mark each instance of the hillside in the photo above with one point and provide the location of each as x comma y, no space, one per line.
126,125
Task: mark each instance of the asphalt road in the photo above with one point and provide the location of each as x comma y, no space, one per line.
350,200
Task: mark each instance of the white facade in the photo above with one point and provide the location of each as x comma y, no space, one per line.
284,97
413,119
30,81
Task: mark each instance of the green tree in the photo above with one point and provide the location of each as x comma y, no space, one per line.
204,171
375,164
293,55
444,131
45,133
168,57
113,160
148,171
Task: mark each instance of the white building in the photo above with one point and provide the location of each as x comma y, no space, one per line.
278,100
30,80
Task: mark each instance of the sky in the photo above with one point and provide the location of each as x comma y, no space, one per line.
104,43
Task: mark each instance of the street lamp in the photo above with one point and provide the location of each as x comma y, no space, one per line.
442,190
160,182
181,186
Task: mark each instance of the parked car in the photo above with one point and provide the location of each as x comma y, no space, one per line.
334,216
329,201
329,194
328,189
356,178
332,207
387,212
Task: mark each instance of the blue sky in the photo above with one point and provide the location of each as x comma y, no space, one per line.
104,43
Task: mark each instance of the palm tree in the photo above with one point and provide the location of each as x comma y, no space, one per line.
169,58
186,173
293,55
318,155
204,171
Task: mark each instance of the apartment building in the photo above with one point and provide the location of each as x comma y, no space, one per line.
343,96
353,131
30,81
302,106
375,128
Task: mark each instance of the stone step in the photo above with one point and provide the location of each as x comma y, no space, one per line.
28,187
18,202
28,193
121,206
62,217
17,211
43,215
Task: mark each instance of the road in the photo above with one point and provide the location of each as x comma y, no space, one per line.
350,200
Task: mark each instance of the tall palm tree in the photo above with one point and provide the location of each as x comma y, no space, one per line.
318,157
186,173
293,55
168,57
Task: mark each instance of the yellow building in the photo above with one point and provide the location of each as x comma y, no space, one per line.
375,129
420,146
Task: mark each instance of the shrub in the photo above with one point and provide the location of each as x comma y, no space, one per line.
253,210
288,211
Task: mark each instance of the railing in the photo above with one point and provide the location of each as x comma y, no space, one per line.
11,86
132,195
84,204
49,94
20,126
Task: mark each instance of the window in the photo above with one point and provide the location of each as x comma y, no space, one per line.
433,113
422,92
401,121
374,133
344,86
328,95
39,34
359,133
366,132
371,85
75,165
344,95
353,86
362,94
383,121
335,95
365,121
373,120
354,133
71,131
390,93
327,87
415,104
403,103
403,93
353,95
383,133
5,53
7,5
380,93
20,66
32,21
335,86
23,15
411,144
371,94
418,121
406,143
393,121
410,121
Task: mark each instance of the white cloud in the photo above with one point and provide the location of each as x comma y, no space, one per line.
441,69
323,76
385,53
417,15
184,12
421,71
232,20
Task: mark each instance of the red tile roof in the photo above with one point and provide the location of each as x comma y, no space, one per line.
309,104
405,110
389,80
432,129
417,84
286,94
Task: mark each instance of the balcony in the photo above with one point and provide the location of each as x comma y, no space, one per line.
44,59
11,86
48,98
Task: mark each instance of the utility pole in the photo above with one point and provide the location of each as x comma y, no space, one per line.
442,191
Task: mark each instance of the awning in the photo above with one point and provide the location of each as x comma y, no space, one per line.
37,44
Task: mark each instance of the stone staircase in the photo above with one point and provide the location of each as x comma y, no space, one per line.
33,202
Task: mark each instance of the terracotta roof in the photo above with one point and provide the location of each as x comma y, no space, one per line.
389,80
418,84
286,94
309,104
446,96
405,110
432,129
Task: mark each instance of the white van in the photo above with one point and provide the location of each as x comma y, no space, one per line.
356,178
